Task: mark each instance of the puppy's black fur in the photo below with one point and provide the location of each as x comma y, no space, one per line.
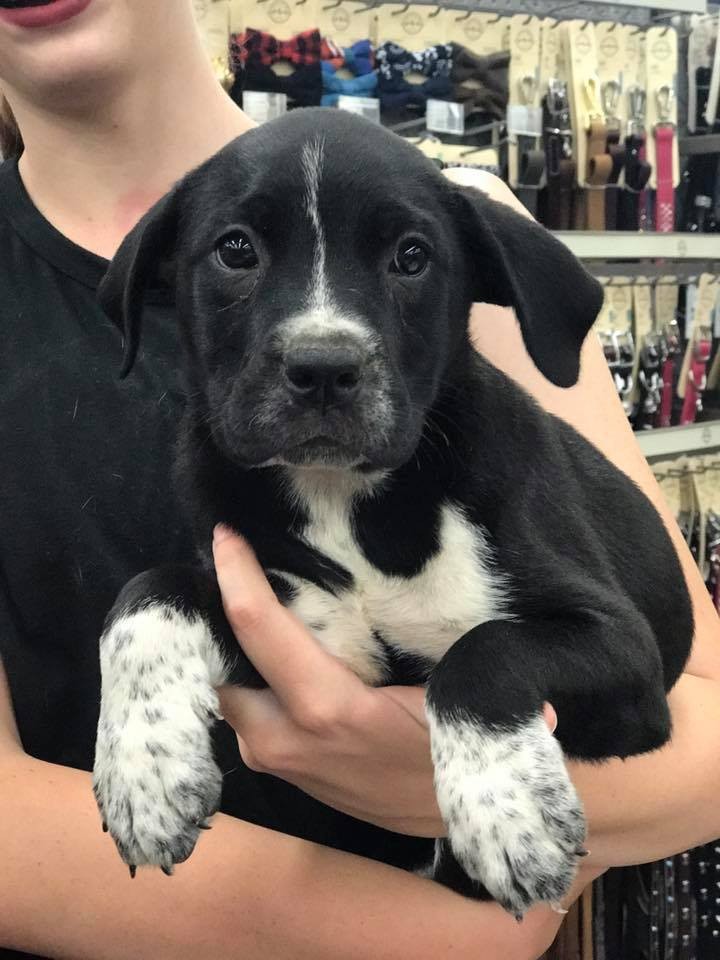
320,363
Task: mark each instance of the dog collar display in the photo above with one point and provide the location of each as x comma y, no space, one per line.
531,157
619,349
591,212
697,380
616,152
530,174
649,382
665,197
560,166
637,174
610,97
664,136
670,349
712,552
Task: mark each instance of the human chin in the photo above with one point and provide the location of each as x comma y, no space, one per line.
52,65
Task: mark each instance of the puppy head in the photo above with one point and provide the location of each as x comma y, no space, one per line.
324,271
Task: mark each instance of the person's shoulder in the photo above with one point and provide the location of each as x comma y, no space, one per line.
488,183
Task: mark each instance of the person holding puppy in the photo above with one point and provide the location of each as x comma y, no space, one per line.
112,102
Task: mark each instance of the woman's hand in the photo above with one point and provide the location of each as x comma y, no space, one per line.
359,749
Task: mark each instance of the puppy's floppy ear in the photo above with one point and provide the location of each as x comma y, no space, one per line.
517,263
135,267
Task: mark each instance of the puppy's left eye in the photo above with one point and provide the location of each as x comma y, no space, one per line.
411,258
235,251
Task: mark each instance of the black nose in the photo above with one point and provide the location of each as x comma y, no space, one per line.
324,373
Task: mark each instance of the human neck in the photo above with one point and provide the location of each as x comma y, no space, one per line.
93,172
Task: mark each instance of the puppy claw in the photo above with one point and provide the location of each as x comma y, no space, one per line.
133,870
204,825
557,908
582,853
168,871
104,827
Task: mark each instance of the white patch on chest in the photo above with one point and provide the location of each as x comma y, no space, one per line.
454,591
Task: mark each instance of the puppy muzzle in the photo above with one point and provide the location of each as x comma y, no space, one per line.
324,399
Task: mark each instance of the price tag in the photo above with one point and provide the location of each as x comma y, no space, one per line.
364,106
524,121
442,116
262,107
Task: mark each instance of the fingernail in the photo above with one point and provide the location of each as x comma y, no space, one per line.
221,532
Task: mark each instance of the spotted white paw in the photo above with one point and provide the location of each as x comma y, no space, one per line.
515,822
155,779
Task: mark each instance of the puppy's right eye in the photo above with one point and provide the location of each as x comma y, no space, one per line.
235,251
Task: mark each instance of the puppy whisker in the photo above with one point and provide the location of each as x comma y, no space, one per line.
229,306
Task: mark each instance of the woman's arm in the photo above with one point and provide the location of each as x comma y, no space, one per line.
246,892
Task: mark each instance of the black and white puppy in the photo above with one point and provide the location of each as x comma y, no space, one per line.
414,506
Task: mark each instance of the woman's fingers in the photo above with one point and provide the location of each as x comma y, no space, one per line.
311,683
550,716
306,679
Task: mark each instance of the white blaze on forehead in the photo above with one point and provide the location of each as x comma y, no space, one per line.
320,314
311,160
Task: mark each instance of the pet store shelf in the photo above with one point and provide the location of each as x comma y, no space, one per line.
678,6
670,441
624,11
691,146
626,245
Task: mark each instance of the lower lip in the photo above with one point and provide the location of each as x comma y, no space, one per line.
46,16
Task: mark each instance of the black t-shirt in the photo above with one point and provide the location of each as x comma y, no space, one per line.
86,503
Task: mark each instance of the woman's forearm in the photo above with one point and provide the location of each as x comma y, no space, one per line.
246,892
663,802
